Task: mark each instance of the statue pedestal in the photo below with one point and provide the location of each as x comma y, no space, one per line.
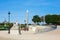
15,29
14,32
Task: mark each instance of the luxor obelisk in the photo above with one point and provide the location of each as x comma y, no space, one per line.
27,18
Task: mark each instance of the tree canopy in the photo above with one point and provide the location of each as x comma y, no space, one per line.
36,19
54,19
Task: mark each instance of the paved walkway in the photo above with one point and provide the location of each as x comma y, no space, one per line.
29,35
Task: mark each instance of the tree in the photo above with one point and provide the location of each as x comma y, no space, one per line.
36,19
54,19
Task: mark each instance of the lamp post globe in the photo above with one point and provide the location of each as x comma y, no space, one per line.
9,16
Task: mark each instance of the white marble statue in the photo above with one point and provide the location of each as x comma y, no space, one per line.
15,26
15,29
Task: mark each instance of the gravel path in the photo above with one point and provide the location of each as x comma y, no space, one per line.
29,35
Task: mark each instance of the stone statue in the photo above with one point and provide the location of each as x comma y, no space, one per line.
15,29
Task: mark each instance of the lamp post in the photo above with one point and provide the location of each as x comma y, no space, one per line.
9,22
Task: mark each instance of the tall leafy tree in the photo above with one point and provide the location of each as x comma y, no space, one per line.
36,19
54,19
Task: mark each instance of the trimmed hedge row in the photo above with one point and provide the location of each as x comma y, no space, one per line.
3,27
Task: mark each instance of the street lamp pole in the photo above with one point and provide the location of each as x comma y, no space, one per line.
9,22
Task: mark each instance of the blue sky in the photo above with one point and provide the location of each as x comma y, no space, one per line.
36,7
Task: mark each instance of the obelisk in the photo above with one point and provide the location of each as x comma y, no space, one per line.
26,18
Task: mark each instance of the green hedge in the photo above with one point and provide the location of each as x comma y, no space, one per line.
5,27
2,27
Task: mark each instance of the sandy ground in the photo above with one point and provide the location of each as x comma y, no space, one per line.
29,35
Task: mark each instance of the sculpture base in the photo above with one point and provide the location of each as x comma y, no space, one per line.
14,32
